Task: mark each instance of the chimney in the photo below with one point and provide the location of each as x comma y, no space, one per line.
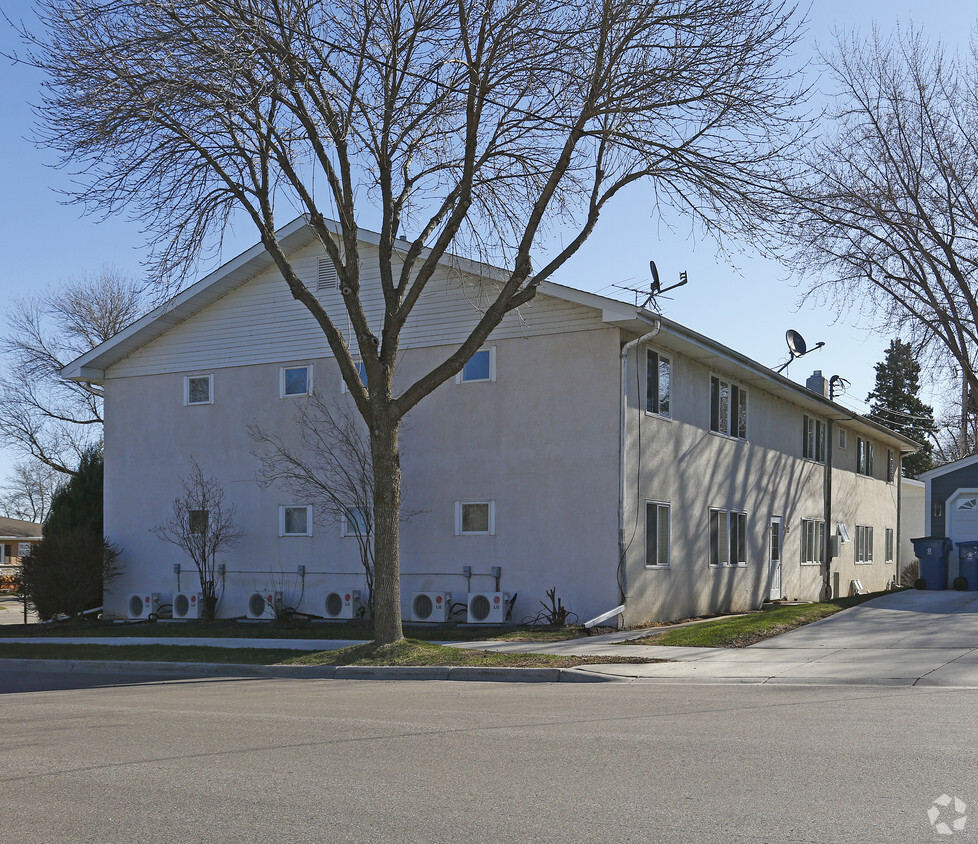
818,384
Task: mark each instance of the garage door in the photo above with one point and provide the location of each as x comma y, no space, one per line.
962,524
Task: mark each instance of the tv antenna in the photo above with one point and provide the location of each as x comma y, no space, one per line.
797,348
655,288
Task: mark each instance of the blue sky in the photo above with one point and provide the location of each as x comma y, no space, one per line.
748,306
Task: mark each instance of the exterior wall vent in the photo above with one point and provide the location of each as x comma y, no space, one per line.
328,279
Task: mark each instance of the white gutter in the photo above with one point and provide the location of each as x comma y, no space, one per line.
625,349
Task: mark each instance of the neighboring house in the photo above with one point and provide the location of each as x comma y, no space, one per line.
731,487
913,521
951,505
17,537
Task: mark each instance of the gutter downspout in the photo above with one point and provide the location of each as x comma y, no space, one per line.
622,431
827,501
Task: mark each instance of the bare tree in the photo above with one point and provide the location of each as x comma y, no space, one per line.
28,491
478,127
46,417
202,524
330,466
889,217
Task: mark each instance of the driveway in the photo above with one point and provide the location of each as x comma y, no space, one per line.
906,638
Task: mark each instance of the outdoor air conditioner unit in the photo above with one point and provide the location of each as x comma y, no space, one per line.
144,604
345,604
188,605
264,605
430,606
487,607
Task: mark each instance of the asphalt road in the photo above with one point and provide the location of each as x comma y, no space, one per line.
84,759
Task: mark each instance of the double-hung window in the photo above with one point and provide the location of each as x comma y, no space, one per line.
890,465
656,533
728,538
864,457
658,383
814,439
812,542
864,544
728,408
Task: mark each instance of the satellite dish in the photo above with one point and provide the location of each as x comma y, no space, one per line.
796,343
655,279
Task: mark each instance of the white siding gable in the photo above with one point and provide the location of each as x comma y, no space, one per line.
260,322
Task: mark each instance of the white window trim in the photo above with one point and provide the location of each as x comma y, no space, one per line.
731,412
668,507
843,438
186,390
343,522
815,562
281,381
281,519
729,514
492,517
889,543
860,555
492,370
357,365
668,359
815,425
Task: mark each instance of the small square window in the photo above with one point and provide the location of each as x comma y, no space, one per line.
295,381
361,371
197,521
356,522
197,389
475,517
295,521
480,367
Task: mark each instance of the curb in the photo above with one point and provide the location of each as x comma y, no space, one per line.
315,672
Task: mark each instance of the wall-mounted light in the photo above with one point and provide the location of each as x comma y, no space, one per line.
938,509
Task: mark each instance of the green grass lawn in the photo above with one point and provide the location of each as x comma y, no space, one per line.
229,629
407,652
744,630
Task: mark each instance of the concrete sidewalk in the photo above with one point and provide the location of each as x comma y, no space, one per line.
907,639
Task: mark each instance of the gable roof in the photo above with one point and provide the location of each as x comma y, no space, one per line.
19,529
630,318
947,468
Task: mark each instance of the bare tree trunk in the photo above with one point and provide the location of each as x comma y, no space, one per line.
387,510
963,447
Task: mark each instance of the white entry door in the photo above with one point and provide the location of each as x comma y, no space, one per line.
775,551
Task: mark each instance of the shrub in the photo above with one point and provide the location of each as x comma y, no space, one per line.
64,573
910,573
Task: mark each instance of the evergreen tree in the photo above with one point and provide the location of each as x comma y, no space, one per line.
896,404
66,571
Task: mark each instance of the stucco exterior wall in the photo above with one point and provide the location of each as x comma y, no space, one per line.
540,442
681,462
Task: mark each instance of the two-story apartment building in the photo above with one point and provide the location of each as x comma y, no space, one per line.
591,446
